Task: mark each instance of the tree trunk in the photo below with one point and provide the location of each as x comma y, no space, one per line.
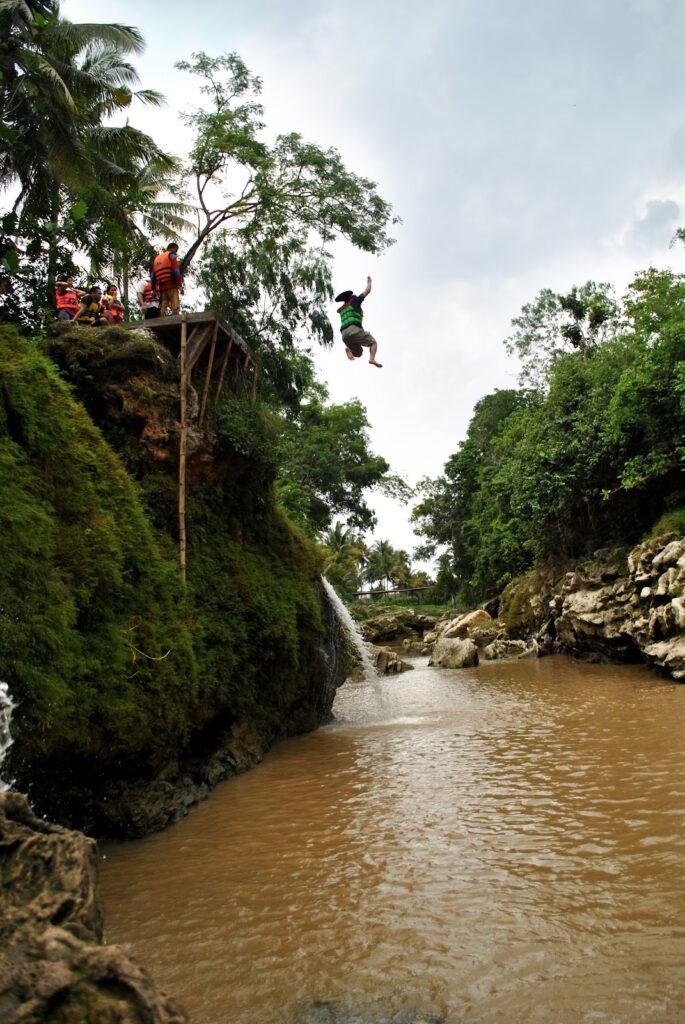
52,247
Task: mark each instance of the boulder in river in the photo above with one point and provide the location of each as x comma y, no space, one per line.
454,653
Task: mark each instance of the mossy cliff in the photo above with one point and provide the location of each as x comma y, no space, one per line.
134,695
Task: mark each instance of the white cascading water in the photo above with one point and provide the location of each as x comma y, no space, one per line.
352,630
6,706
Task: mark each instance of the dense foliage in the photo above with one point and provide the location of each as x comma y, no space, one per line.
593,455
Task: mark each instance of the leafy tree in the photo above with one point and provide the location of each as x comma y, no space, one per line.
596,459
444,515
553,324
290,186
326,466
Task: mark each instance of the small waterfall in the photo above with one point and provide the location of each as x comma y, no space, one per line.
6,706
352,631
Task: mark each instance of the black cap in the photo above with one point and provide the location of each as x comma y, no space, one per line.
344,296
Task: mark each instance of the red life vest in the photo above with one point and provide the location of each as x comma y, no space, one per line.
163,269
68,299
150,296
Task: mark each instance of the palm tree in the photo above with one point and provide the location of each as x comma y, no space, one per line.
59,82
381,562
345,554
131,215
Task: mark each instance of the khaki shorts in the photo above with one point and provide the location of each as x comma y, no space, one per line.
356,337
170,297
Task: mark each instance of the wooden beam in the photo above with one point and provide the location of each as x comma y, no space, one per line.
224,364
254,383
182,453
199,346
208,375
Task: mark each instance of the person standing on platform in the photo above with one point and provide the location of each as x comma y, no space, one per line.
148,300
167,279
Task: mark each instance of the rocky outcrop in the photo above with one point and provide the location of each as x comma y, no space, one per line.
386,661
624,606
621,605
53,966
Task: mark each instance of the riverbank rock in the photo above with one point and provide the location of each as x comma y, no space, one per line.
53,966
625,606
508,649
454,653
386,661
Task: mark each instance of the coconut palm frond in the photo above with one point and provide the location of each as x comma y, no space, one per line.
77,37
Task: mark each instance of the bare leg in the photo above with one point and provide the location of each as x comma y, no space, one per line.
349,354
372,356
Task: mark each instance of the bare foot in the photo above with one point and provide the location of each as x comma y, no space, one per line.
349,355
374,363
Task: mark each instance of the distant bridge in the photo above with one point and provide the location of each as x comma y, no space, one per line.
415,592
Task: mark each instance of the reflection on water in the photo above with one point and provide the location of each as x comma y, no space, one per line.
499,845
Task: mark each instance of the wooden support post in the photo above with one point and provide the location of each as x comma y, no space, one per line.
246,363
182,452
254,382
209,373
223,369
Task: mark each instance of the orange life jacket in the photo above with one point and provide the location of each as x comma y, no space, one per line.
68,299
150,295
116,308
163,269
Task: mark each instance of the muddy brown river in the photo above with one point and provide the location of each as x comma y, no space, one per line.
501,845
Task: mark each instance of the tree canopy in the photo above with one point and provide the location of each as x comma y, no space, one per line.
594,456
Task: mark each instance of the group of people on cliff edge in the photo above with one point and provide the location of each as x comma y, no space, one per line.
161,291
156,294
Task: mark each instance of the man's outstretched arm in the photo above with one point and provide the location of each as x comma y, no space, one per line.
367,289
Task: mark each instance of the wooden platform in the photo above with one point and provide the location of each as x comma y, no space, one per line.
210,341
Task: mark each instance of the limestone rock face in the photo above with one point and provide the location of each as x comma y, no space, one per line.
625,606
52,964
454,653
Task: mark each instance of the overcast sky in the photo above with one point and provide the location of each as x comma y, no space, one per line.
524,145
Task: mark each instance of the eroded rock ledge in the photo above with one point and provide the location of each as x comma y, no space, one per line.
53,965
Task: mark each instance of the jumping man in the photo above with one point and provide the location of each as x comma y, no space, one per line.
356,339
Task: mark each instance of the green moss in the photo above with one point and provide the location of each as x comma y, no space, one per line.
669,522
112,663
517,607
